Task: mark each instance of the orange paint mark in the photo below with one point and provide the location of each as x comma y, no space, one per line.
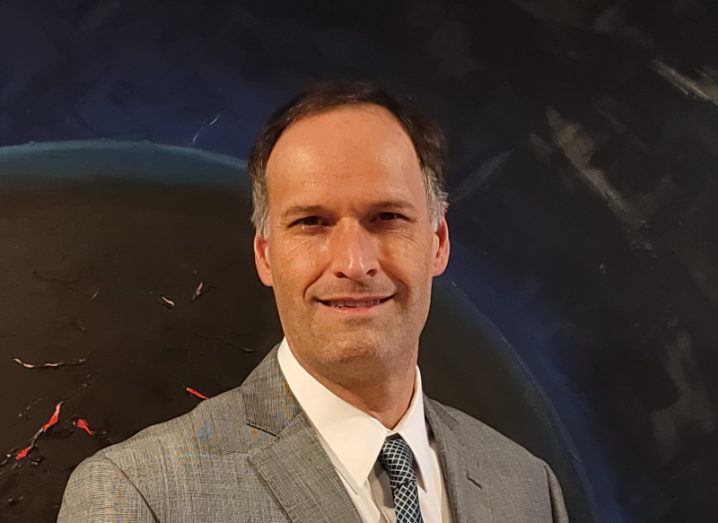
23,453
195,393
82,424
53,419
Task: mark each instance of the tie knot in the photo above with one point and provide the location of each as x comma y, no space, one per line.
398,461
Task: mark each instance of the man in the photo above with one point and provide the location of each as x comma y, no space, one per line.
349,210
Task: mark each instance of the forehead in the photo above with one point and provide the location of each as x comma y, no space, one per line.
324,124
349,147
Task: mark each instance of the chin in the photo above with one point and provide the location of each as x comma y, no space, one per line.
361,348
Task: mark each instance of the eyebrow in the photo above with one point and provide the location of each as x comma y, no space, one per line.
383,204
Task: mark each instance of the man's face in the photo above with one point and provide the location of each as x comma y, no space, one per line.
350,251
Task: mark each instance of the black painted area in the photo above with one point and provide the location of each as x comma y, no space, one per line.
584,139
88,255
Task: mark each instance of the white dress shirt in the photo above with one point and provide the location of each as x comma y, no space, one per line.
352,439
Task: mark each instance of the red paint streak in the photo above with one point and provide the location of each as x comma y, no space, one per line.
53,419
80,423
23,453
195,393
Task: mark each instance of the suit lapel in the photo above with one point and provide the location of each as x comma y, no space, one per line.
301,476
465,485
294,465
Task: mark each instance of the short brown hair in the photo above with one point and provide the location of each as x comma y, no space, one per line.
427,137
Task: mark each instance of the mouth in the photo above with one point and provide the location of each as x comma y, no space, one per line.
355,304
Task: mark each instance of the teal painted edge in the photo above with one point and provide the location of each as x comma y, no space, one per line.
82,157
9,151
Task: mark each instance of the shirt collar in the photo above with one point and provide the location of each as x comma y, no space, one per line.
352,437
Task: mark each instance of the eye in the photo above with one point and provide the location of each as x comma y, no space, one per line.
309,221
389,216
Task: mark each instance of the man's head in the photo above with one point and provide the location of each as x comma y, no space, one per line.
427,138
349,211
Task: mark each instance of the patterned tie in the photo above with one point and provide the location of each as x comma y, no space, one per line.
398,461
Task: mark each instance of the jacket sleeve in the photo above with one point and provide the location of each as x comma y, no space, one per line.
99,491
558,507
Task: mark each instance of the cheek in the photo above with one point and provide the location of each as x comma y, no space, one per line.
412,269
412,254
295,265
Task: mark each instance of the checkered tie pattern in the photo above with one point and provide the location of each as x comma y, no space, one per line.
398,461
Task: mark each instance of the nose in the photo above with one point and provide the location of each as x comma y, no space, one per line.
354,253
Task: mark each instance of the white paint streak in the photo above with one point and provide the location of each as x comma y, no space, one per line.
215,119
691,412
481,176
613,22
578,147
704,88
208,123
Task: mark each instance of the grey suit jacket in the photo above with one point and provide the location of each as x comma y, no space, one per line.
250,454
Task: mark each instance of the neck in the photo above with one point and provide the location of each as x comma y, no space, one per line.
383,395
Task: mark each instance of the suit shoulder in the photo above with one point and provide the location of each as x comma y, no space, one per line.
159,473
85,499
214,427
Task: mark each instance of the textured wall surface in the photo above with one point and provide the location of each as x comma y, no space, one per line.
584,152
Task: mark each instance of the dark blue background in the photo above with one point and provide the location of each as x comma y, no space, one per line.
584,152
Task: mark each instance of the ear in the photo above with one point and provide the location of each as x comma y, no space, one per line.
442,246
261,259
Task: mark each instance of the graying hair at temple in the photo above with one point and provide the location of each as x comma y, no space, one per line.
427,137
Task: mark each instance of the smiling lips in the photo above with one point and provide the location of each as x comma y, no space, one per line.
364,302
